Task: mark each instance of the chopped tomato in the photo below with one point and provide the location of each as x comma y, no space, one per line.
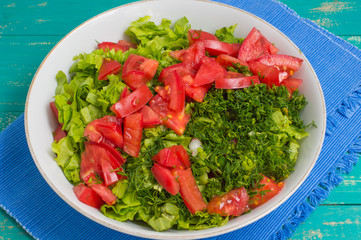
133,102
197,93
176,121
133,127
189,190
181,68
163,92
59,133
87,195
107,130
254,46
109,173
109,67
291,84
150,118
268,190
208,72
235,51
199,35
165,178
234,203
125,93
176,91
122,45
138,70
267,74
104,192
215,47
168,158
55,111
229,61
236,82
192,56
181,154
283,62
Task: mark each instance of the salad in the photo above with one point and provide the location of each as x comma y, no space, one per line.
178,127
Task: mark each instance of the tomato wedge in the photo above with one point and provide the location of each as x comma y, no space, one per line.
125,93
291,84
55,111
59,134
138,70
208,72
168,158
176,91
234,203
254,46
229,61
104,192
199,35
283,62
268,190
189,190
107,130
165,178
150,118
215,47
87,195
236,82
109,67
181,154
192,56
133,102
269,75
133,127
122,45
163,92
109,173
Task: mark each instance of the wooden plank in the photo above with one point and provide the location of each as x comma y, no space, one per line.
331,223
10,229
41,17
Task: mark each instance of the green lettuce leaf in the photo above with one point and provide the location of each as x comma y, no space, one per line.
226,34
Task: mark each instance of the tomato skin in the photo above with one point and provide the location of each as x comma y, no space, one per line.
269,75
107,129
104,192
138,70
208,72
59,134
133,102
165,178
192,56
215,47
234,203
291,84
163,92
168,158
109,172
125,45
109,67
88,196
150,118
55,111
235,51
231,82
283,62
269,185
181,154
176,91
189,190
229,61
125,93
254,46
133,127
199,35
122,45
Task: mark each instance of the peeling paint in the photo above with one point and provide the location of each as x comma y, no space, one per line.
39,43
346,222
42,4
332,7
313,234
11,5
326,22
41,21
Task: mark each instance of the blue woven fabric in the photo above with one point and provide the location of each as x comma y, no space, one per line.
44,215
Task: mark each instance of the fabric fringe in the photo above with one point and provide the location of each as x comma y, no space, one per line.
331,125
321,192
351,104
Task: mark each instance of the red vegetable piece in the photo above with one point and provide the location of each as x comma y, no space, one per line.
189,190
107,130
182,155
88,196
109,67
125,93
215,47
163,92
122,45
199,35
104,192
268,190
55,111
267,74
283,62
291,84
138,70
235,51
109,173
165,178
233,203
191,57
229,61
133,127
150,118
254,46
208,72
176,91
236,82
132,102
59,134
125,45
168,158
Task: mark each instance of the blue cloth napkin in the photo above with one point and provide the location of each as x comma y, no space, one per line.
25,195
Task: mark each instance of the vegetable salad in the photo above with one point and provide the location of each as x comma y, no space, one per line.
178,127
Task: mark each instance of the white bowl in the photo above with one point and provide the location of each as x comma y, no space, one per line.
204,15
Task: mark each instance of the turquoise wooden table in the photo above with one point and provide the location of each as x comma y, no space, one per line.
29,29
